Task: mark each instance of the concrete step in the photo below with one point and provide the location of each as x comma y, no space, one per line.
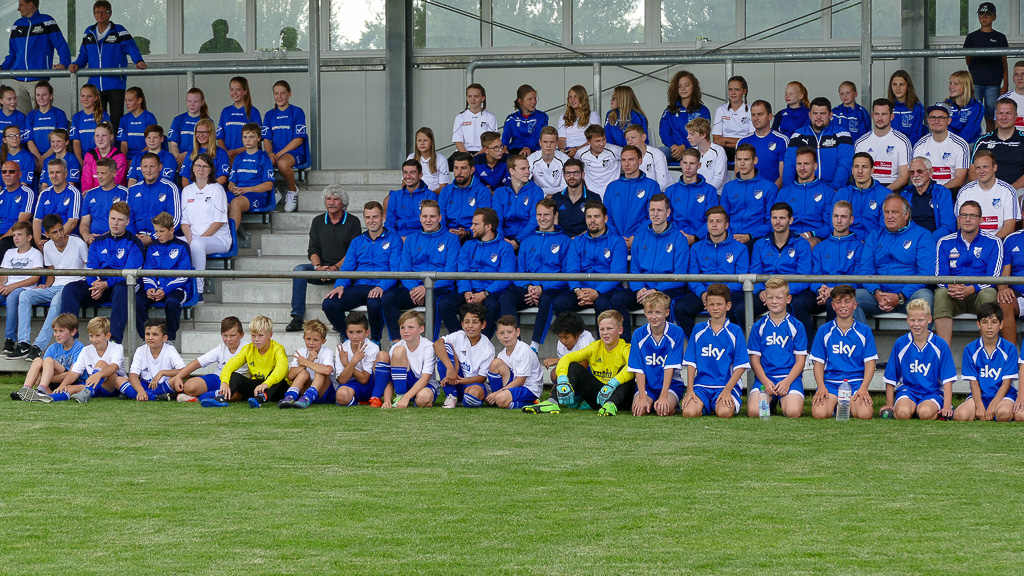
270,263
270,291
313,199
245,311
292,244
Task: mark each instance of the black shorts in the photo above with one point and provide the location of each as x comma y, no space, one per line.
245,386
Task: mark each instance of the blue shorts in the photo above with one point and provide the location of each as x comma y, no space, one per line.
1011,395
522,394
918,396
797,387
362,392
833,387
709,397
429,388
100,392
677,389
300,158
258,200
212,382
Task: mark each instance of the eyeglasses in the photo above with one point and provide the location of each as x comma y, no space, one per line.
573,173
202,131
938,117
970,216
495,148
8,171
199,165
12,136
918,171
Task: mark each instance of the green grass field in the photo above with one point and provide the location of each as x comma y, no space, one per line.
116,487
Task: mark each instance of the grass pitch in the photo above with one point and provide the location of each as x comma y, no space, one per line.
116,487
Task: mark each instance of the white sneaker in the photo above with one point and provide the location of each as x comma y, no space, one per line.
186,398
450,401
291,200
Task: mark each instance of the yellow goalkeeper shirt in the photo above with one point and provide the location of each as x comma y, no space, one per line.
270,368
604,364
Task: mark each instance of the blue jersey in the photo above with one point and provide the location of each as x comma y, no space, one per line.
147,200
33,41
404,208
835,256
283,126
690,203
543,253
940,204
570,214
812,206
922,370
965,121
368,254
1013,254
168,166
83,125
726,257
517,211
788,120
651,356
989,370
132,130
14,203
614,132
18,120
910,251
96,205
252,169
793,257
490,176
65,358
908,122
716,356
835,155
182,132
867,207
174,255
492,256
652,252
114,253
523,131
982,257
604,254
626,199
27,162
67,204
40,124
459,202
110,50
748,203
777,345
222,165
771,153
844,354
853,119
230,123
672,126
436,251
74,170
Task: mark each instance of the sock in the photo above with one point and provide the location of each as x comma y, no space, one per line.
310,395
293,393
470,401
129,391
449,390
210,395
60,396
381,377
162,388
494,381
400,378
351,402
534,345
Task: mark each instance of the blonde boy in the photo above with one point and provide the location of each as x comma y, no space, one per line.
268,366
656,358
412,356
312,369
778,352
102,360
204,388
920,372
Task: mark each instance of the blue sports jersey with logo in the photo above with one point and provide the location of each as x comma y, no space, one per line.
777,345
844,353
716,356
97,203
651,356
923,370
989,370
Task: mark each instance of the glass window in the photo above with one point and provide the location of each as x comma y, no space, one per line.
538,17
146,23
357,25
765,15
437,27
607,21
885,21
214,26
958,17
685,20
282,24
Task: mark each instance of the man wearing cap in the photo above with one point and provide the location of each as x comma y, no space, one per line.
988,72
947,152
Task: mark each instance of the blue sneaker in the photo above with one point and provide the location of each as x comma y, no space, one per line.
254,403
212,403
301,403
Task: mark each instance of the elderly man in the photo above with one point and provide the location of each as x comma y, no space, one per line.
61,198
34,38
901,248
330,234
931,205
16,202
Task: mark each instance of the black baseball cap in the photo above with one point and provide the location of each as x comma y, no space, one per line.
987,8
938,106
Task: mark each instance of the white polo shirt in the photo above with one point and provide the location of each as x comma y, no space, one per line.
732,123
548,176
469,126
574,136
998,203
200,209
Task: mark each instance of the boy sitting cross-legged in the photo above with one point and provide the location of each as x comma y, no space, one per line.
843,351
515,378
205,387
102,360
716,358
920,370
411,358
312,369
55,362
153,365
778,351
355,362
268,366
463,358
990,364
656,358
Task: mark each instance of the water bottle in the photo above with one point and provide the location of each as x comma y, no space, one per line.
843,409
764,410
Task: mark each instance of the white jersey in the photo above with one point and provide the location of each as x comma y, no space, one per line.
325,357
574,135
74,257
548,176
421,360
438,178
601,170
474,360
365,365
220,356
888,152
946,157
202,208
88,358
655,165
732,123
146,367
998,204
523,362
469,126
1019,99
712,166
585,339
27,260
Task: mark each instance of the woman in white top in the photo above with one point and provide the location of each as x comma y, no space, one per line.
435,165
204,215
473,121
577,117
732,119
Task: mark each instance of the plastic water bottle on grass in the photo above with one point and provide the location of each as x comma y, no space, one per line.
764,409
843,408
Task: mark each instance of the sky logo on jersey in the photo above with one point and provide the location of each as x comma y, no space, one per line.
906,245
710,351
990,373
655,360
776,340
918,367
841,348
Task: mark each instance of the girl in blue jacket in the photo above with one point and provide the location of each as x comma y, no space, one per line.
965,111
521,134
624,111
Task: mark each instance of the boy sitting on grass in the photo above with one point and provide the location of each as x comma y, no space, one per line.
595,376
312,369
102,360
206,386
268,366
412,357
515,378
656,358
920,372
55,362
843,351
778,351
463,358
355,360
153,365
990,365
572,337
715,359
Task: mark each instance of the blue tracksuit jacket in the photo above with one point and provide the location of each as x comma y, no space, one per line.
626,199
366,254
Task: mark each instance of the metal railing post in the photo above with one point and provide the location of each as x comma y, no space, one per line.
190,80
73,93
595,102
315,117
428,305
865,53
129,335
748,305
729,70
